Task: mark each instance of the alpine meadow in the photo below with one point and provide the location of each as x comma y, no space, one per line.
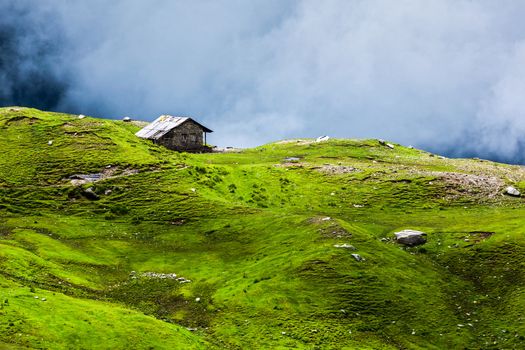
109,241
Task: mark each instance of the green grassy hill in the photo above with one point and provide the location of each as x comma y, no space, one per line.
108,241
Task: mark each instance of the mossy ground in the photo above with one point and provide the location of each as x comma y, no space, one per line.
251,232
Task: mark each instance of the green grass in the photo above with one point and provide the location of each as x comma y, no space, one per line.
247,229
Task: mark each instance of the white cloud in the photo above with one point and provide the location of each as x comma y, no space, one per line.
444,75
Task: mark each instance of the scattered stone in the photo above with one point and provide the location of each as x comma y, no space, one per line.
191,329
358,257
193,189
126,119
159,275
382,142
43,299
336,169
389,145
108,192
81,116
358,205
410,237
441,157
345,245
89,193
108,172
87,177
322,138
385,239
411,147
292,159
50,142
197,299
36,297
326,218
512,191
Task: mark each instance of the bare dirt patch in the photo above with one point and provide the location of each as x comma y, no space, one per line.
106,173
21,120
460,184
291,165
329,228
478,236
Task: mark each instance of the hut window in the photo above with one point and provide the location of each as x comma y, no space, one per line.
193,138
184,137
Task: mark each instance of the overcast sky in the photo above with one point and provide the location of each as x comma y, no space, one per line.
447,76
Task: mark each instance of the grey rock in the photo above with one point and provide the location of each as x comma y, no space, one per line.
89,193
389,145
512,191
410,237
160,275
292,159
358,257
345,245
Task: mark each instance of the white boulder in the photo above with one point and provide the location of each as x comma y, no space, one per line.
512,191
410,237
358,257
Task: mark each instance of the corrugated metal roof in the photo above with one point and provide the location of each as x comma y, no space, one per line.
162,125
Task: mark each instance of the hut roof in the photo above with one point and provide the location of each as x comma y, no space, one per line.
164,124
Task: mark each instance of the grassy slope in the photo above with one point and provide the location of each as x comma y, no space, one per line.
246,229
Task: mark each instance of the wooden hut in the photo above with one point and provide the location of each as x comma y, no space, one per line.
176,133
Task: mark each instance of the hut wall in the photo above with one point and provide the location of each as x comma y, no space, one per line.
186,137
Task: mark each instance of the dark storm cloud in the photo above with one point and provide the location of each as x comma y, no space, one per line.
443,75
29,53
